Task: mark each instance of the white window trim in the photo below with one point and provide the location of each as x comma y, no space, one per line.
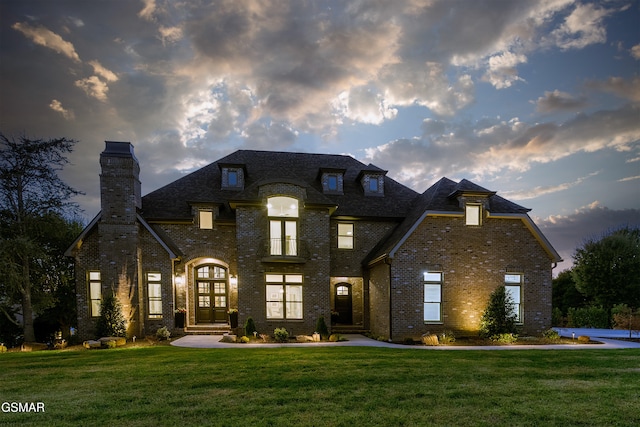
430,280
473,214
155,279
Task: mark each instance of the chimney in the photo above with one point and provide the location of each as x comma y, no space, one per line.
118,230
120,196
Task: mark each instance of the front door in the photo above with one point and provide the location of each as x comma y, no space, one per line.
211,294
344,303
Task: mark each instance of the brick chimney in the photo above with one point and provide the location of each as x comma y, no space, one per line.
119,183
118,229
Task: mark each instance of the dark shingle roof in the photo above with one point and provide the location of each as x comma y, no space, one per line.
204,186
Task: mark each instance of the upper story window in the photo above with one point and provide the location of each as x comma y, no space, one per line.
473,214
345,236
233,177
283,226
332,180
205,219
372,182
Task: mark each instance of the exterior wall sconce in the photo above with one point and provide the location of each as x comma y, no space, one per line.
233,280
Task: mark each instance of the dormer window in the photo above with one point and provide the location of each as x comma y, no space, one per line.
332,180
473,214
372,184
233,177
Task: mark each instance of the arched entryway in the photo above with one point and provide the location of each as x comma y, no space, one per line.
211,294
344,303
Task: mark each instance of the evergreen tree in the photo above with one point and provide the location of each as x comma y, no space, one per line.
111,321
499,317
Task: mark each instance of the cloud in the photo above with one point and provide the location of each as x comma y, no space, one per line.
490,147
502,72
148,10
544,190
47,38
629,178
635,51
623,88
94,87
555,101
568,232
583,27
56,105
108,75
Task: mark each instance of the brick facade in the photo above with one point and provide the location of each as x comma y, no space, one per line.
383,271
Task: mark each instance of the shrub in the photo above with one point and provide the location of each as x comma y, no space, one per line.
249,327
163,333
499,317
623,317
321,327
336,338
583,339
244,339
551,335
447,337
281,335
111,321
587,317
505,338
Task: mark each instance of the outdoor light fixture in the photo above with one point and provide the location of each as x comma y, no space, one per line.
233,280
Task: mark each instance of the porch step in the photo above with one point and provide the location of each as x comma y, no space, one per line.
211,329
349,329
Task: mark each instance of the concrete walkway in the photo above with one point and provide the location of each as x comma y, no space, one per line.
354,340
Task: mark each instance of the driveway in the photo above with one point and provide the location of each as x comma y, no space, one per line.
355,340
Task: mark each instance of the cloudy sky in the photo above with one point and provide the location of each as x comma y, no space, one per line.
538,100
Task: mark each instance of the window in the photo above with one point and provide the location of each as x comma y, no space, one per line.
373,184
232,178
95,293
206,220
155,295
283,226
284,296
473,214
513,287
342,291
432,297
332,182
345,236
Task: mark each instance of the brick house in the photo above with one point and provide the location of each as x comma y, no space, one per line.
285,238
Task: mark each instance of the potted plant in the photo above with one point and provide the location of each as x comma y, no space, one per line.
233,317
180,315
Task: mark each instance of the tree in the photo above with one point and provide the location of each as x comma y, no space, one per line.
565,294
30,193
500,316
111,321
608,270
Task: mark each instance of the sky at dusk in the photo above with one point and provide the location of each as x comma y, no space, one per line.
537,100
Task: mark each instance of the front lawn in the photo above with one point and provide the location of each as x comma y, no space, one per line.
333,386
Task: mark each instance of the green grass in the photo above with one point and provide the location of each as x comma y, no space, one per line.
339,386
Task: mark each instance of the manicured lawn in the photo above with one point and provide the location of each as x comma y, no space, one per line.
341,386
